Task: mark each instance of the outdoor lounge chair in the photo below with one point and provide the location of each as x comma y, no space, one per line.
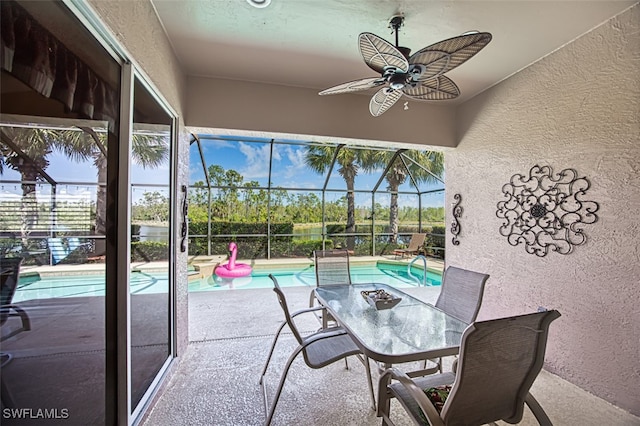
331,268
318,349
460,296
62,248
415,244
9,274
499,361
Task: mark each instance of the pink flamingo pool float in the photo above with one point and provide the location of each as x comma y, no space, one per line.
231,269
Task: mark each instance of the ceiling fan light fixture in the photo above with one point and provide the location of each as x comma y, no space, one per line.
260,4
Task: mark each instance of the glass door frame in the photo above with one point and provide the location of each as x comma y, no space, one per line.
133,74
118,396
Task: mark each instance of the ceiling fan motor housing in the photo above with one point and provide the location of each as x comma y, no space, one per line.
397,80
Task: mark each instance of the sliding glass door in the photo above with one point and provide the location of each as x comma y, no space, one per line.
86,232
151,254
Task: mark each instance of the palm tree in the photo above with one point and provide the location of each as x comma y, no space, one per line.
320,158
148,150
26,149
432,163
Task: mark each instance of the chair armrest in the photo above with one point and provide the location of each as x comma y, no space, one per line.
417,394
423,372
24,317
324,334
307,310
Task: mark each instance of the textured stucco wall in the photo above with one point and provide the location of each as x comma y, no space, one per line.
136,27
239,105
577,108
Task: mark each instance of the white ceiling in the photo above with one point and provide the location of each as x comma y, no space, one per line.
313,43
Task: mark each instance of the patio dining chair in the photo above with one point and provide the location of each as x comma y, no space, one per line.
319,349
331,268
460,296
415,244
499,361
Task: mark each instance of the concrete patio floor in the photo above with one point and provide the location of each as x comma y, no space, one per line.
216,381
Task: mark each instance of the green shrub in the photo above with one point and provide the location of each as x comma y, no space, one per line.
306,247
435,242
149,251
248,247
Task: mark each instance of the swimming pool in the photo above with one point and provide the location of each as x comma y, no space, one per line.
395,275
32,287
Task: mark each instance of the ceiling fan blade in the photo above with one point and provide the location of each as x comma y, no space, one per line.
383,100
435,89
446,55
353,86
379,53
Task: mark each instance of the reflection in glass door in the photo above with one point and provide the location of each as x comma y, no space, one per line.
61,231
151,243
59,103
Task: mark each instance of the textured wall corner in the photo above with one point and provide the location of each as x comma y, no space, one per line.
577,108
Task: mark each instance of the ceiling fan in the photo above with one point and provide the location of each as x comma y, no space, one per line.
419,76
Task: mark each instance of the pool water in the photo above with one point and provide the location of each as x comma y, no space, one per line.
34,287
394,275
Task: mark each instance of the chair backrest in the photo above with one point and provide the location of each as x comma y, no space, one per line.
416,241
285,308
461,293
499,361
57,249
9,274
73,243
332,267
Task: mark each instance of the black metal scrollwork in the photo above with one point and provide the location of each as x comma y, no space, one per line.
545,211
455,224
185,211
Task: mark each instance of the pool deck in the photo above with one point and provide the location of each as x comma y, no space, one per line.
215,381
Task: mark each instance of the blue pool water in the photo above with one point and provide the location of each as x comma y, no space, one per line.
34,287
394,275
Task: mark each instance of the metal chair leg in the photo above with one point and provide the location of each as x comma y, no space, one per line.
273,346
5,394
370,380
271,411
537,410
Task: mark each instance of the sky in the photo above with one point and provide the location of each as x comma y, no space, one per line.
250,159
78,179
289,170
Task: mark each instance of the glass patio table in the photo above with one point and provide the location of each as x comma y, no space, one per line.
412,330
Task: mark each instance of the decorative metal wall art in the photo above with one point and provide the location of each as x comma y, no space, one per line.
455,223
185,218
546,211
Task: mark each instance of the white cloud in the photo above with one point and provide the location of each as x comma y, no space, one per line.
296,157
257,160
